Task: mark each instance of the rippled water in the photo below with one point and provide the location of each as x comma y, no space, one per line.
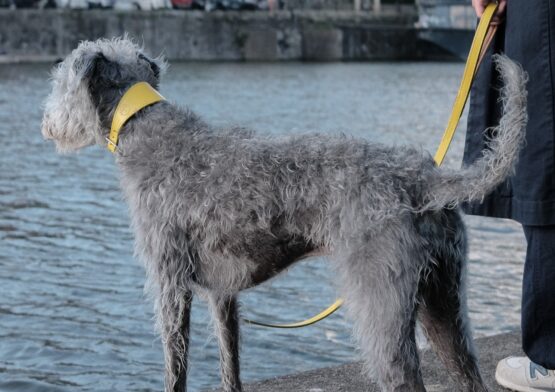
72,312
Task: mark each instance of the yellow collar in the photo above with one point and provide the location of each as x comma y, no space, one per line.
139,96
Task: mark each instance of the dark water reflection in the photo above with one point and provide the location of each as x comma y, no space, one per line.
72,312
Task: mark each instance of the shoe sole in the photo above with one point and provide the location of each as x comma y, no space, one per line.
518,388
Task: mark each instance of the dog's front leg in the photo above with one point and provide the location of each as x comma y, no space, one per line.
226,321
174,316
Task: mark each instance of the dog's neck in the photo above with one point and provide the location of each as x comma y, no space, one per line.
162,128
136,98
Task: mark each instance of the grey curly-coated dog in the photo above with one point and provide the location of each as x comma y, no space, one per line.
217,211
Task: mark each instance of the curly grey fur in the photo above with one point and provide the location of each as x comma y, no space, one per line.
449,187
216,211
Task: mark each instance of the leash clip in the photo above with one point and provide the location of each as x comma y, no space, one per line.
112,146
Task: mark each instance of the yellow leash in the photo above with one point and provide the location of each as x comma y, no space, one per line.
313,320
482,38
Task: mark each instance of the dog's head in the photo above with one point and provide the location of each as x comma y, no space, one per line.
87,86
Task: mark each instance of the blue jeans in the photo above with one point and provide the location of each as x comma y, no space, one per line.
538,296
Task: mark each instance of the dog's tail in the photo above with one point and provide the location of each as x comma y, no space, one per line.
449,188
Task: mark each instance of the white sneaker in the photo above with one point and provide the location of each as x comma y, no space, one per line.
522,375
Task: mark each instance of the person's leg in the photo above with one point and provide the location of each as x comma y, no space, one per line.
538,296
532,373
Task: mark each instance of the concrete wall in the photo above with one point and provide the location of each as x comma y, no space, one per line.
283,35
319,4
341,4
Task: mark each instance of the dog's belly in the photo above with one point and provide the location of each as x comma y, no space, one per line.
271,254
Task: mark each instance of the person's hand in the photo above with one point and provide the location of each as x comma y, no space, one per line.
480,6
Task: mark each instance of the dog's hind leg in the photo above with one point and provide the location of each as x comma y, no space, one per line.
379,285
225,313
442,311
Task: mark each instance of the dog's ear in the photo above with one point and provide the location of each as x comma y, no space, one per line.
98,68
153,66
